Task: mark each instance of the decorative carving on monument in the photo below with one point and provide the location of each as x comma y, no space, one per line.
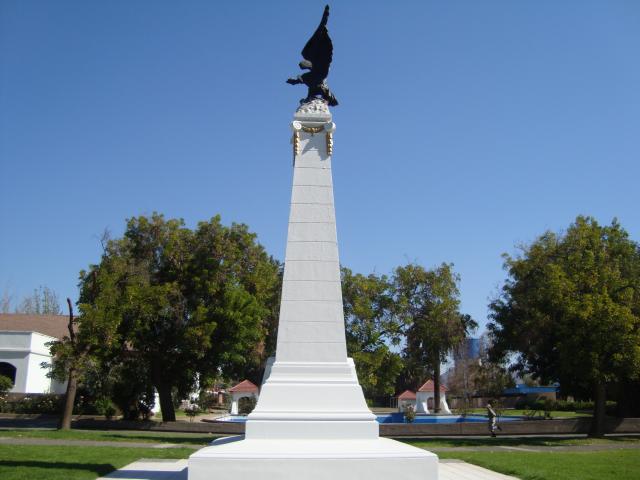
330,128
317,54
316,105
296,126
329,143
313,130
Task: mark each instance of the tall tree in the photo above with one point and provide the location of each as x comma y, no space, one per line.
490,377
5,301
372,331
570,310
74,353
43,301
188,303
429,301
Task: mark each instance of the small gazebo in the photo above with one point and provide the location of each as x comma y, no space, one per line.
244,389
406,399
425,398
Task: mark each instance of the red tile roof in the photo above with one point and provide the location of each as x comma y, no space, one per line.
429,387
407,395
52,325
244,386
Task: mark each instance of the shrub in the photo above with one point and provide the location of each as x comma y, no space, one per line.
5,385
44,404
104,406
246,405
207,401
409,414
547,405
191,411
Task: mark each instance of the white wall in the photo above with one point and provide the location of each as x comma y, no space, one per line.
27,351
15,341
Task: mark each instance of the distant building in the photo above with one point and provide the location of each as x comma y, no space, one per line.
406,399
426,396
244,389
470,350
423,400
23,349
522,390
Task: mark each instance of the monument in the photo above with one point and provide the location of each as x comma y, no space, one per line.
311,420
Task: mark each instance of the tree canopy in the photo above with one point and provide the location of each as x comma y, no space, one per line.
428,301
183,305
371,331
569,310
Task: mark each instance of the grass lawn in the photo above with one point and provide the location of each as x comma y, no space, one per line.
524,413
113,435
603,465
22,462
27,462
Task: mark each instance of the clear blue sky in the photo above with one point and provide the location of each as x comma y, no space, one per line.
464,128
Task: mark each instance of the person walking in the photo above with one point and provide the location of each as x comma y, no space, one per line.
492,420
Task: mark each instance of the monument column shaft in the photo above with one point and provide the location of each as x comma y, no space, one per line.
311,325
311,388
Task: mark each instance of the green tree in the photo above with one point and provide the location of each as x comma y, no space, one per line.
188,304
76,353
428,301
371,331
570,310
490,377
5,385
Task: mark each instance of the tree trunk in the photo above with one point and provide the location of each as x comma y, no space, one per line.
436,385
600,397
166,403
69,400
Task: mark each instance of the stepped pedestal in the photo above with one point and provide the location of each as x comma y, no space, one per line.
311,419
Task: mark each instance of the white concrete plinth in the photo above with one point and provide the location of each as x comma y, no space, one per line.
307,400
158,469
290,459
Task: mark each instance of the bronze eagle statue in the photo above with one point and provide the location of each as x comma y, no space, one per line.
317,54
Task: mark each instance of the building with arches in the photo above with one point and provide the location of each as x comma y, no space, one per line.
426,396
24,350
245,389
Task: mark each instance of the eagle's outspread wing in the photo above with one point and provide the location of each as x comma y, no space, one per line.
319,49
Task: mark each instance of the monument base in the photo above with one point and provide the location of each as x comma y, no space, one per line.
289,459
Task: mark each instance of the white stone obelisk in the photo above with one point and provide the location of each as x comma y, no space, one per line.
311,419
312,390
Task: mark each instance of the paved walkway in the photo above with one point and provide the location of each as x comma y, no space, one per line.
147,469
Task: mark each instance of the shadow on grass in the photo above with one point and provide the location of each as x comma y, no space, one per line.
201,440
99,469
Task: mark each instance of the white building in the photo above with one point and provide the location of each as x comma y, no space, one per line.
23,349
426,396
406,399
245,389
